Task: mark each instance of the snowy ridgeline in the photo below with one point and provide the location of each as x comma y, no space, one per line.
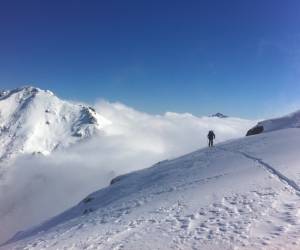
242,194
36,121
288,121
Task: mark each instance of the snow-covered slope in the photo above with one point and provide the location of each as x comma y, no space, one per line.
34,188
288,121
242,194
36,121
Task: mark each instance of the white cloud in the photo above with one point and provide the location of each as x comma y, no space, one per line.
36,188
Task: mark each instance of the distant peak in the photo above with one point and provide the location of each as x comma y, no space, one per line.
219,115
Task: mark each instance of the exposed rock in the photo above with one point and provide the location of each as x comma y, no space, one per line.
219,115
256,130
116,179
92,109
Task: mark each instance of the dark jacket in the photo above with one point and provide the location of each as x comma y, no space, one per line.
211,135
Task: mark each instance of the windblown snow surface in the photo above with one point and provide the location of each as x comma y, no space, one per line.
242,194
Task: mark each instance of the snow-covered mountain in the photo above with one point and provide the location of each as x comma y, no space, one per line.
288,121
243,194
36,121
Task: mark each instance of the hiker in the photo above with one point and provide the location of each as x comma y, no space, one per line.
211,136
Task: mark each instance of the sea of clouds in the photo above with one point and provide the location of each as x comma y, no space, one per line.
35,188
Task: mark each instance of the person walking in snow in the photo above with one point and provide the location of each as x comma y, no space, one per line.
211,136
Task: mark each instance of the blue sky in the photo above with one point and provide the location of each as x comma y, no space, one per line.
238,57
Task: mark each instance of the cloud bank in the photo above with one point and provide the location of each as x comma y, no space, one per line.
35,188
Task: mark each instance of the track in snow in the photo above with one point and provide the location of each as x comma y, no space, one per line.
284,179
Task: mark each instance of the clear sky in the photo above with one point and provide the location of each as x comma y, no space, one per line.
239,57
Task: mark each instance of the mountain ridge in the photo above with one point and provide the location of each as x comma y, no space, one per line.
36,121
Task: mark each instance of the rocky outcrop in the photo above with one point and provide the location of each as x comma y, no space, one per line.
116,179
256,130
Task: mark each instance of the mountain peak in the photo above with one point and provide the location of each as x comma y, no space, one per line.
35,120
28,88
219,115
23,92
33,89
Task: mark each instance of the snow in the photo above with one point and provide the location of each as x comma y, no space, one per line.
54,152
288,121
36,121
240,194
